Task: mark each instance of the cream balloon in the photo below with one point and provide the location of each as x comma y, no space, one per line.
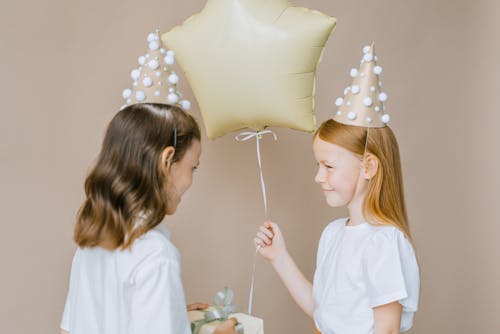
252,63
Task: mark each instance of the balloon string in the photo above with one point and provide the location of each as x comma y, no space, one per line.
244,136
250,297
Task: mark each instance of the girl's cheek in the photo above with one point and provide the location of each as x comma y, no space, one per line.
331,178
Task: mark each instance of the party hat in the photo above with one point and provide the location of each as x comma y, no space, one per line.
363,103
154,81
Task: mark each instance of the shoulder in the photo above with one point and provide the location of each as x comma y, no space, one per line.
386,233
333,227
330,231
152,242
387,238
152,249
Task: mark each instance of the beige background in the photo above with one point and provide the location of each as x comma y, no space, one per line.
64,64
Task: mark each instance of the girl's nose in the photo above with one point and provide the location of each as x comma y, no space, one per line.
319,177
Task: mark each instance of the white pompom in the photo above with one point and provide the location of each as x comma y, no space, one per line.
339,101
368,57
129,101
127,93
355,89
157,93
171,90
153,64
346,90
382,97
169,60
154,45
366,49
134,84
173,78
385,118
135,74
369,119
171,53
372,89
172,98
141,60
152,37
339,112
377,70
163,51
185,104
351,115
158,73
380,83
147,81
367,101
139,95
377,108
354,72
348,103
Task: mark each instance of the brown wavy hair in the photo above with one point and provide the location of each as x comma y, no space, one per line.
127,180
384,202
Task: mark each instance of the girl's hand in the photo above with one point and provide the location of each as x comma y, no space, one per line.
227,327
197,306
271,240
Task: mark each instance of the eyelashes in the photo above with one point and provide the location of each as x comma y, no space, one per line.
327,166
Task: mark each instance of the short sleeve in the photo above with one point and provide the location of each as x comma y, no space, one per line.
65,317
391,270
158,303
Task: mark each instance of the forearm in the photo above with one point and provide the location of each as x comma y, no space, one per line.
298,286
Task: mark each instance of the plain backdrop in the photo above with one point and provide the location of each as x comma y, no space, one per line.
64,64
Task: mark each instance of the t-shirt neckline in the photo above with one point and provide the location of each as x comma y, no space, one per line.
361,225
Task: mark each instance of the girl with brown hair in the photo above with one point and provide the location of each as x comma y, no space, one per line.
125,275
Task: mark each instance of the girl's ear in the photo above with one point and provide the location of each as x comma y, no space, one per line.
166,157
370,166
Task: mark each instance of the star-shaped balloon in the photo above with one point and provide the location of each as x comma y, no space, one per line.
252,63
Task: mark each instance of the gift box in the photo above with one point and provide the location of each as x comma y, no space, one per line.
205,321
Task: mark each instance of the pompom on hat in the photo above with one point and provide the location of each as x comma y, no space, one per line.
363,103
154,80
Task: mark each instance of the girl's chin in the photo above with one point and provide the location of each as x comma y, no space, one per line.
172,209
333,205
334,202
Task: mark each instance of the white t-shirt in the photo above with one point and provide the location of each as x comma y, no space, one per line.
127,292
358,268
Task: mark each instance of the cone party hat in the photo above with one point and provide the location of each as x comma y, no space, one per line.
363,103
154,81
